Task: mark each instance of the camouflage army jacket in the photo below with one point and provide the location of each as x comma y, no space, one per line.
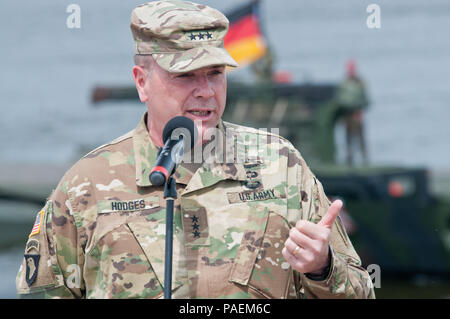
101,232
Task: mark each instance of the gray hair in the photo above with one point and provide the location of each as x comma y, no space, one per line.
144,60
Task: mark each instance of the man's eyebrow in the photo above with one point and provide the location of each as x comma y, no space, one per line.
217,67
210,68
179,74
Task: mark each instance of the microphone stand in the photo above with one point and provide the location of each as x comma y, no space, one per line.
170,194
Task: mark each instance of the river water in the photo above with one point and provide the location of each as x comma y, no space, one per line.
48,71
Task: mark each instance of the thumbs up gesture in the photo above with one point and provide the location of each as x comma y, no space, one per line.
306,249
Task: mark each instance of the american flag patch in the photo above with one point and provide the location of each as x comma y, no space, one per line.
37,224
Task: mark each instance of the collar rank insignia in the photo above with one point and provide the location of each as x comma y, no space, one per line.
195,227
32,265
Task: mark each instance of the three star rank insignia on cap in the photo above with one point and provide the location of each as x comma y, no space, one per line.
200,36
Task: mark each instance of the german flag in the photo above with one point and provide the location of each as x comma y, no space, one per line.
244,40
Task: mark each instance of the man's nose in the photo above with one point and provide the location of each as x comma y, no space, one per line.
204,87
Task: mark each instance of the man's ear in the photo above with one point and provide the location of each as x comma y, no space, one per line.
140,79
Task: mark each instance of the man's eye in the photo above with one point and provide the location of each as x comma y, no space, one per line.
184,75
216,72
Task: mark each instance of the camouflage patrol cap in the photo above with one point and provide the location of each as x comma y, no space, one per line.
181,36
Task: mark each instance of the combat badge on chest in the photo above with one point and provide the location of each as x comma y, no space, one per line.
253,174
254,188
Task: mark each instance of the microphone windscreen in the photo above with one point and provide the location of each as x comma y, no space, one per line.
181,125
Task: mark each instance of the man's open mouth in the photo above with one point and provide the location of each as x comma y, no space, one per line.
200,114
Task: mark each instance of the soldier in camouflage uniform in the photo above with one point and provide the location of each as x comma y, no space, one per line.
257,227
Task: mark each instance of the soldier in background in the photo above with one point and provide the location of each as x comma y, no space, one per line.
258,228
263,68
352,100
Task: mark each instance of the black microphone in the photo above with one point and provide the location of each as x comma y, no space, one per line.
179,135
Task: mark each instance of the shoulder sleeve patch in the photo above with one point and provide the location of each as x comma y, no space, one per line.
37,223
37,270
